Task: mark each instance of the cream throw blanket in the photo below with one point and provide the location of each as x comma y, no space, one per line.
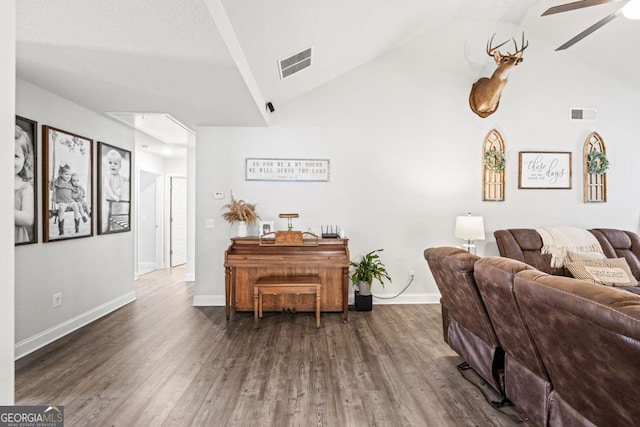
557,241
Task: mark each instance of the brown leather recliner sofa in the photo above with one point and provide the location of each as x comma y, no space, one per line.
524,244
569,349
588,338
466,325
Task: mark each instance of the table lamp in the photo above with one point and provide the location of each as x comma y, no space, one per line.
469,228
289,217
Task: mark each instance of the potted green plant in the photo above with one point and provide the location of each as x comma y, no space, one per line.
241,212
368,269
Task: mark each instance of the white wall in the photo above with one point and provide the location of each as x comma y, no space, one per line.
405,152
7,151
94,274
176,167
148,161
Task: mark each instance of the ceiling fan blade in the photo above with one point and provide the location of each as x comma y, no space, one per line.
591,29
576,5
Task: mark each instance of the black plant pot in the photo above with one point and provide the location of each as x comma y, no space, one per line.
363,302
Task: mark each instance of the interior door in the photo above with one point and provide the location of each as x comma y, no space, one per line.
147,222
178,221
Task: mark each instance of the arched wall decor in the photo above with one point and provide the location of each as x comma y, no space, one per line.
595,184
493,171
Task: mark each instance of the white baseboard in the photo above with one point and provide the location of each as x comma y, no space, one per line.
219,300
407,299
189,277
209,300
402,299
48,336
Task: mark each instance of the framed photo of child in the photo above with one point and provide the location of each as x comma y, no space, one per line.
266,227
67,165
114,189
25,195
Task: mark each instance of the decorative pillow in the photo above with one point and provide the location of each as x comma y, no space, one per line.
585,256
609,272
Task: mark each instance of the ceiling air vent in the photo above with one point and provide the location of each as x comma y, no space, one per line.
295,63
581,114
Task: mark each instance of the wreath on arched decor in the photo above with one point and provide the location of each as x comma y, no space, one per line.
597,163
494,160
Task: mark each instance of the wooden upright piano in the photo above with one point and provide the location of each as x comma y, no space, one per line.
247,259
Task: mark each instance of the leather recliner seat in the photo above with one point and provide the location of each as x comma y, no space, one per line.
466,324
526,382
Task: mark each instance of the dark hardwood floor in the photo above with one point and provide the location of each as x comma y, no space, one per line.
160,361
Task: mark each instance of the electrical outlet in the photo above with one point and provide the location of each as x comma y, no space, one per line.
57,299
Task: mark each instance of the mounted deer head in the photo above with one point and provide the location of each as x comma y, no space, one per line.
485,93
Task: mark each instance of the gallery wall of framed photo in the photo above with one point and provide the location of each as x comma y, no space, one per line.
93,273
68,183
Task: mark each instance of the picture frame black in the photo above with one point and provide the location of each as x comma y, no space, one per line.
67,160
26,190
114,189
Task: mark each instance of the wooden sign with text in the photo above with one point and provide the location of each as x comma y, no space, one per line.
545,169
265,169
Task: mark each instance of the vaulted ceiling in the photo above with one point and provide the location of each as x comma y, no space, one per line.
215,62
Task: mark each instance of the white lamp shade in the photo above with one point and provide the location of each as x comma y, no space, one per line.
632,10
469,227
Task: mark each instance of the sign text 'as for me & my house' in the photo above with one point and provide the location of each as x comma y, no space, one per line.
262,169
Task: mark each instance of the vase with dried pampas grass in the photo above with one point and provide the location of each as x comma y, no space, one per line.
241,212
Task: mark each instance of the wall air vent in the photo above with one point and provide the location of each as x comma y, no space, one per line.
582,114
294,63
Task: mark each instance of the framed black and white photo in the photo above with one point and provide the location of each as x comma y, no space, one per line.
545,170
26,206
114,189
67,165
265,227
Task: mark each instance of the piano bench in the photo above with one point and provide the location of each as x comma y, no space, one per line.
285,285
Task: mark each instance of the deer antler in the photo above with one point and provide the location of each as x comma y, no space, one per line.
523,46
491,49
